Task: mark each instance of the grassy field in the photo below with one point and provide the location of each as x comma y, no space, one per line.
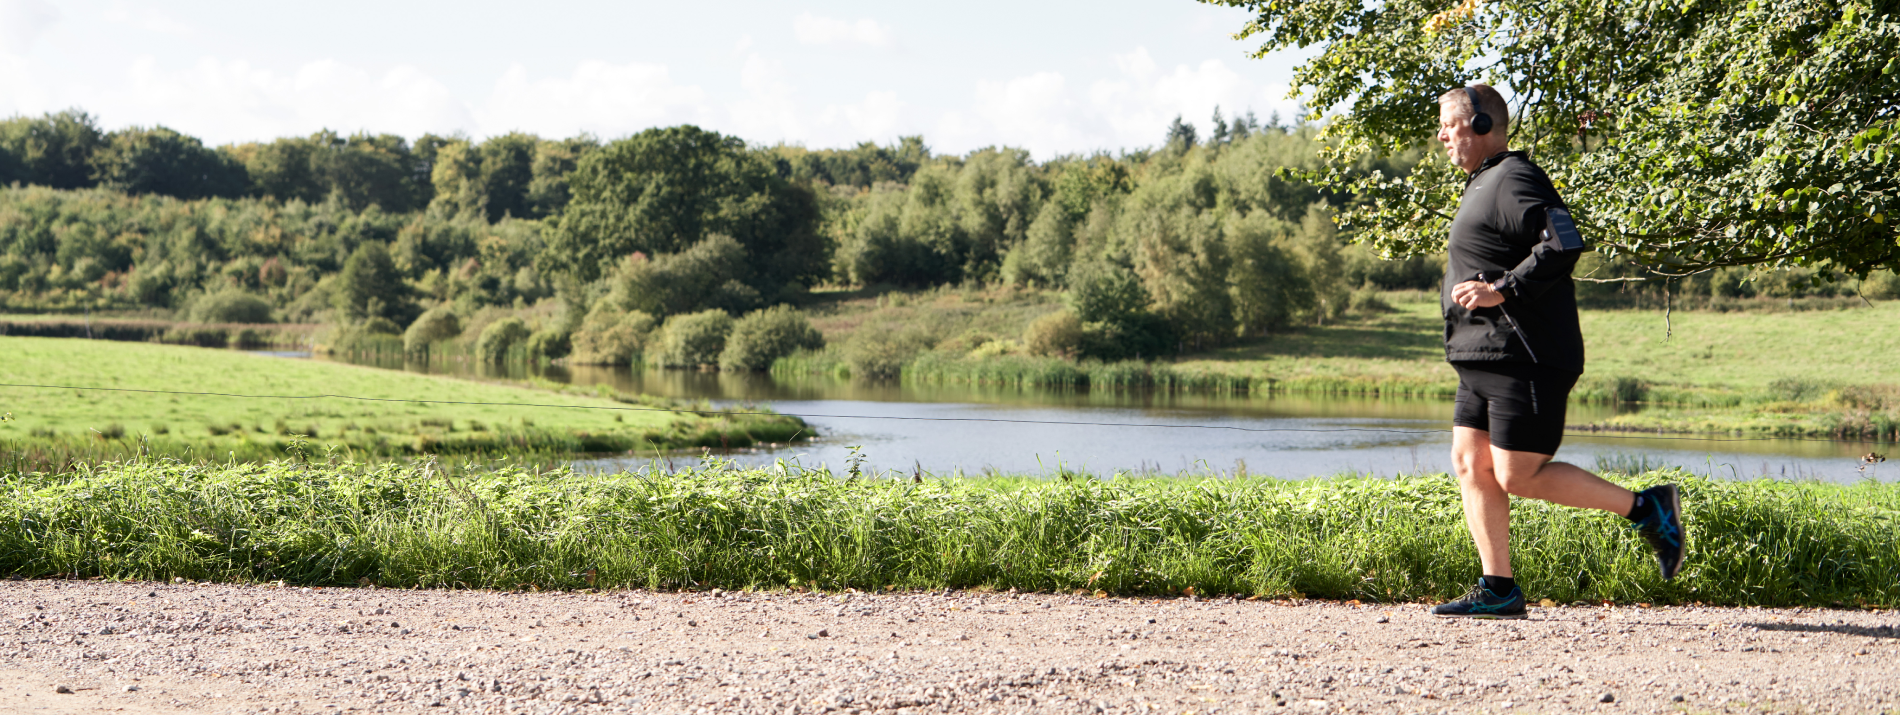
1763,542
93,423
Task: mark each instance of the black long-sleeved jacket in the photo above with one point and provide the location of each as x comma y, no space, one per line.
1500,236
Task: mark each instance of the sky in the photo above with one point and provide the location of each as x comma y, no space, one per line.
1051,77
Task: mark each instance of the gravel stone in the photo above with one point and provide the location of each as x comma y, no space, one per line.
273,650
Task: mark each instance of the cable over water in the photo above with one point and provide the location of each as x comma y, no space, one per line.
743,413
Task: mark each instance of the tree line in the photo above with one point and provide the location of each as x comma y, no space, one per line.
1198,240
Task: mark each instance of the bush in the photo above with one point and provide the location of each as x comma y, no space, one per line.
881,355
1367,301
198,335
553,344
499,337
250,338
693,339
610,337
230,306
436,325
1881,285
763,336
1142,336
380,325
1057,334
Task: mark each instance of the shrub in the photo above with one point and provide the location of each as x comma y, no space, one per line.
1881,285
766,335
498,337
1367,301
198,335
437,324
693,339
1057,334
250,338
553,344
230,306
1141,336
610,337
879,355
380,325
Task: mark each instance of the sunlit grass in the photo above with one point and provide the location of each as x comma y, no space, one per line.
1762,542
79,424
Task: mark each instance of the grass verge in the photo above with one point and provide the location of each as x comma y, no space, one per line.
53,426
1752,543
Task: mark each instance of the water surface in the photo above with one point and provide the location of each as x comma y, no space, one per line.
890,427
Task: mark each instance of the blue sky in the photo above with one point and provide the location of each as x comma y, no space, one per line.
1047,76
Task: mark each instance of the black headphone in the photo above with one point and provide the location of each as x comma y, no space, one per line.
1480,122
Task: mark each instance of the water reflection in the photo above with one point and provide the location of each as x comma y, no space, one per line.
948,428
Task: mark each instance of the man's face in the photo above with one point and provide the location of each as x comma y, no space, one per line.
1462,147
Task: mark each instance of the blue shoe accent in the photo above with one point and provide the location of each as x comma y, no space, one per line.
1662,528
1480,602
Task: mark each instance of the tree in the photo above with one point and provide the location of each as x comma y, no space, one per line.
371,287
554,160
1181,135
1686,136
53,150
161,161
361,170
663,190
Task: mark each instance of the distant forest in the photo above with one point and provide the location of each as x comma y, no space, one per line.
1205,237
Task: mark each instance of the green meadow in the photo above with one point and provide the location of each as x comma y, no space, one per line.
412,525
127,410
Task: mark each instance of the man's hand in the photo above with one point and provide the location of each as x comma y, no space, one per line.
1475,294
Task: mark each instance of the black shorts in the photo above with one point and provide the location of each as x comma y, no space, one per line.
1520,404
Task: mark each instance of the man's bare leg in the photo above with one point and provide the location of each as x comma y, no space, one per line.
1534,476
1487,505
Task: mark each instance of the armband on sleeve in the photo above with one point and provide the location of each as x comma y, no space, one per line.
1560,233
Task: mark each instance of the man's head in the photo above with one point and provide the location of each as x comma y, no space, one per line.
1465,147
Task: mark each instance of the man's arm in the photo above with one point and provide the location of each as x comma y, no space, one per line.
1551,260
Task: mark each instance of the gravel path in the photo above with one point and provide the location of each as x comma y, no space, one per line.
150,648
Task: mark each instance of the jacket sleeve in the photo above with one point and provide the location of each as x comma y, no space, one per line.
1532,213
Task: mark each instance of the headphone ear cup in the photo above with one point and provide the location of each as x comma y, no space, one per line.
1481,123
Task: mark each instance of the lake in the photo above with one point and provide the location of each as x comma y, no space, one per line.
975,429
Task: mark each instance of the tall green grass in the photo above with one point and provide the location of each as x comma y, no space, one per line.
936,368
1754,543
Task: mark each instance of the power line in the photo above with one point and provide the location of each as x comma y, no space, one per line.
742,413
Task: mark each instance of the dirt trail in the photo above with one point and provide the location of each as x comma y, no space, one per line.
158,648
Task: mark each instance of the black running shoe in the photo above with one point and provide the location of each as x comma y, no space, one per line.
1482,603
1662,527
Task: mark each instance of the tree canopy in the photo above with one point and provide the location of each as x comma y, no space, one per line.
1687,135
665,190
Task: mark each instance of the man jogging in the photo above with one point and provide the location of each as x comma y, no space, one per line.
1511,333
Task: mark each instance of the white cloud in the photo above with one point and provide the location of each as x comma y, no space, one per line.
233,101
814,30
22,22
879,118
769,110
1130,108
1032,111
147,19
606,99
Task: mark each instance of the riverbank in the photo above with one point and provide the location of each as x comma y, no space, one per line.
515,527
398,414
1774,372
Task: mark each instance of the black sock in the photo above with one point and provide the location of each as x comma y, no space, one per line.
1499,586
1641,509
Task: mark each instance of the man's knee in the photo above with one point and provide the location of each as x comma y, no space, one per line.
1519,477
